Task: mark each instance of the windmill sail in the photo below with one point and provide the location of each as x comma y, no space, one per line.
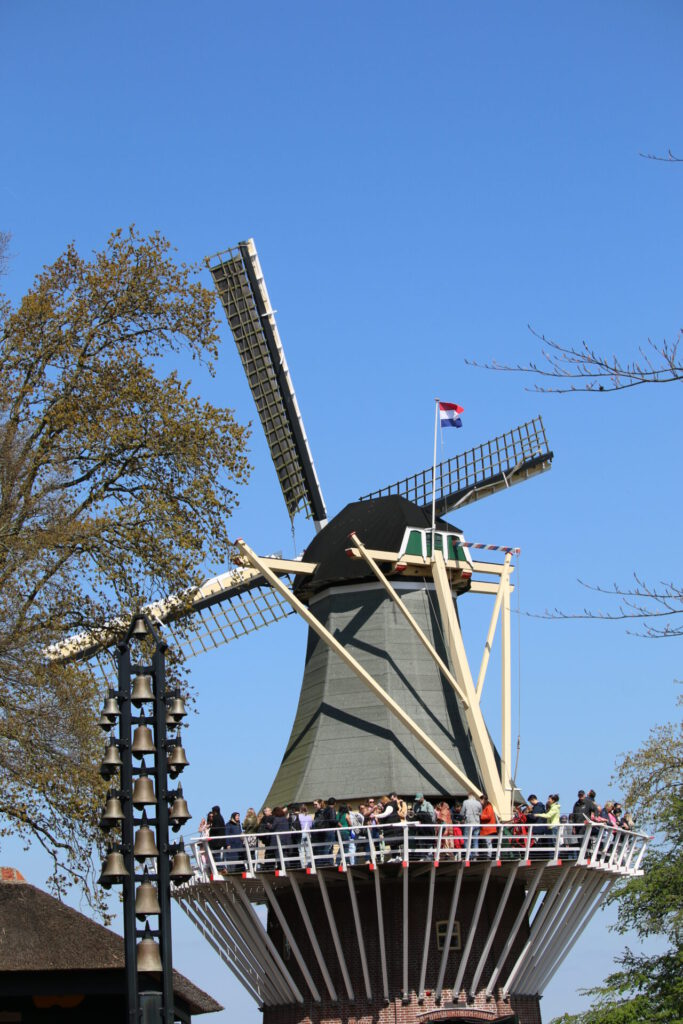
242,290
224,608
505,460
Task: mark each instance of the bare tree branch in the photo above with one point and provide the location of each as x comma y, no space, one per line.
668,159
642,601
658,363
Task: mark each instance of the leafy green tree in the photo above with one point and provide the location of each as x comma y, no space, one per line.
648,988
116,486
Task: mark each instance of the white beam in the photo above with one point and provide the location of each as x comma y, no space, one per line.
359,933
475,720
506,698
313,938
472,928
502,903
455,896
335,934
512,934
488,643
380,932
293,945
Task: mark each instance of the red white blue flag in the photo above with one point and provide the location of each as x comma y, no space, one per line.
449,414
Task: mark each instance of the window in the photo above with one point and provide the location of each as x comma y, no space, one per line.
442,929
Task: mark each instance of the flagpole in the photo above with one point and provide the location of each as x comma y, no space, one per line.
436,419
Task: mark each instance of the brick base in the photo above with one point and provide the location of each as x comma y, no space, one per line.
518,1010
409,1006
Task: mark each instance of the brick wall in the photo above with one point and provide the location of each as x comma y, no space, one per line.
410,1006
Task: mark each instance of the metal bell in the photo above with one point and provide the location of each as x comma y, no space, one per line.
113,869
139,629
145,845
143,742
177,707
113,811
177,759
110,708
149,956
181,868
146,899
111,760
143,792
179,812
105,723
142,690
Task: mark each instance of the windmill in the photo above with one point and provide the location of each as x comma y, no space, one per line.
388,703
368,588
364,720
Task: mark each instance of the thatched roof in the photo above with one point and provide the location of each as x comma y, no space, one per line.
38,933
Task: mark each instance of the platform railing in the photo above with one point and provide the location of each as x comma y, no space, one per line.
370,846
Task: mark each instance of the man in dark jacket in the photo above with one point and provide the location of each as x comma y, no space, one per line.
322,834
579,809
591,806
539,831
535,807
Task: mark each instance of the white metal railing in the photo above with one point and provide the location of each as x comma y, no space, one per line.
590,845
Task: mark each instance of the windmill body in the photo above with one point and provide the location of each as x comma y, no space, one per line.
343,740
410,921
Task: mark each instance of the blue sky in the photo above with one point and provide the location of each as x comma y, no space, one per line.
422,182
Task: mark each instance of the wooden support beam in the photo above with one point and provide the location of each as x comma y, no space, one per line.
284,924
506,699
472,929
335,935
488,643
419,632
428,932
380,932
484,587
223,946
356,667
310,930
359,933
512,934
502,903
475,720
445,952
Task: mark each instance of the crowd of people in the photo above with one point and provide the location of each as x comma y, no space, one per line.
329,826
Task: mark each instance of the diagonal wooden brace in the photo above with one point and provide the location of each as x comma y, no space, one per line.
422,637
475,719
356,667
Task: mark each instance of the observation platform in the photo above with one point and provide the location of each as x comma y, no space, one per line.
403,914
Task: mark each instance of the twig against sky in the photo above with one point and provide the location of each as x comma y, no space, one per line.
657,363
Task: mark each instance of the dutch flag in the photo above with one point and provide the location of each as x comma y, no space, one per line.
449,414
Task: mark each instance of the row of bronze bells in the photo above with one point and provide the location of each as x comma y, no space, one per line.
114,870
113,812
143,743
145,847
141,693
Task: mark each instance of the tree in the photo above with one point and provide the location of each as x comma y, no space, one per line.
116,486
649,988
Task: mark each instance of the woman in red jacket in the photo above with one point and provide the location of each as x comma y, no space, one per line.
488,826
